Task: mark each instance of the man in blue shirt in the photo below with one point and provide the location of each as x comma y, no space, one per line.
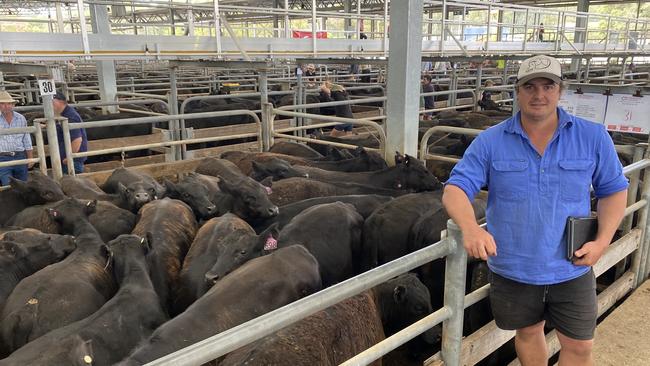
14,146
538,167
78,137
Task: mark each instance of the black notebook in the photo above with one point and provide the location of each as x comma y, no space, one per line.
579,230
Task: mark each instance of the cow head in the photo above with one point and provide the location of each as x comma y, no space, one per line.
414,175
240,250
410,302
125,249
39,189
137,194
191,191
69,212
250,199
276,168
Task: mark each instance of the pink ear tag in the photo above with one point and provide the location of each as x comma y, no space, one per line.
268,190
271,243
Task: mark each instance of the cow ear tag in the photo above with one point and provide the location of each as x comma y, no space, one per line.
271,243
268,190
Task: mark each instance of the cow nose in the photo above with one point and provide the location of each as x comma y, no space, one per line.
211,208
211,278
142,197
273,211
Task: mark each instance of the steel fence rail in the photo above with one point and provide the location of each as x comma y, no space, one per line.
40,146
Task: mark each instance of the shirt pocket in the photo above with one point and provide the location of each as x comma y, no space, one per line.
509,179
575,179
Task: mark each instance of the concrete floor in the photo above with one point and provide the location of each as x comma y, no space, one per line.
623,338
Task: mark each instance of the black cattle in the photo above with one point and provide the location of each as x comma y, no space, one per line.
108,335
208,106
151,189
295,149
275,168
244,160
364,204
309,99
332,234
64,292
109,220
38,189
344,330
261,285
170,227
80,187
191,191
219,168
362,141
112,132
293,190
408,174
20,258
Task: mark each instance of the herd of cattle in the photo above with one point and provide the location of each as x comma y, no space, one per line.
136,269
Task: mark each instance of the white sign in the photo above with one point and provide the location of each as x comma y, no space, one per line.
47,87
590,106
626,113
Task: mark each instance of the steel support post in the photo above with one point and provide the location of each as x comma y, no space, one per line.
313,28
455,273
580,35
287,26
217,26
267,126
404,66
453,85
52,142
266,112
297,100
105,69
84,31
385,37
174,127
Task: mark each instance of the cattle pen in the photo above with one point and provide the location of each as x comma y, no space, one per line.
183,91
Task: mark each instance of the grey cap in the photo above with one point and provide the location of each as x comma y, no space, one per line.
539,67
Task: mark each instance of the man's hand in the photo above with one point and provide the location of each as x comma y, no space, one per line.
30,165
590,253
479,243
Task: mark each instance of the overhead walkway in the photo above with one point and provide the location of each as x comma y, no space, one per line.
451,28
622,339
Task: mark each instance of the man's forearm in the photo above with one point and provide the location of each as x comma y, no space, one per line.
459,207
610,213
76,144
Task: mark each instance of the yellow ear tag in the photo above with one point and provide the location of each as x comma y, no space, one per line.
88,359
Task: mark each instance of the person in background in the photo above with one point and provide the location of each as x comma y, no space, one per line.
427,87
541,32
78,138
486,102
309,74
14,146
539,166
331,92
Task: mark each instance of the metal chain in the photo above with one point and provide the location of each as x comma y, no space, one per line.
123,158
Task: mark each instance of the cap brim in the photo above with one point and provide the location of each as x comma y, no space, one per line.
546,75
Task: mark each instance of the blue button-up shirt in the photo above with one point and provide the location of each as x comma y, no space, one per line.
73,117
14,142
531,196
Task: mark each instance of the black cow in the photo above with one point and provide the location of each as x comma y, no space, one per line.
109,220
332,234
219,168
150,189
365,204
108,335
20,258
275,168
261,285
38,189
64,292
295,149
194,193
80,187
170,227
129,197
344,330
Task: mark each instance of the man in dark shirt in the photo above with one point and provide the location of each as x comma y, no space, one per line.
78,138
427,87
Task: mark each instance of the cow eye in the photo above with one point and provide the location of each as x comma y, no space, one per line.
186,195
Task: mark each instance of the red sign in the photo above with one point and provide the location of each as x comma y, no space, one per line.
306,34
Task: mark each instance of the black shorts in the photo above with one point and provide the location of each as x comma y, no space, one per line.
571,307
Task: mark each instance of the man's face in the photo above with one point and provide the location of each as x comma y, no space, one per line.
425,81
58,105
6,108
538,98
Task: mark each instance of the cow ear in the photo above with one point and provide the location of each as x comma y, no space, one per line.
224,185
54,213
399,159
399,294
170,188
121,188
18,184
268,239
146,243
10,247
149,239
91,207
407,159
267,182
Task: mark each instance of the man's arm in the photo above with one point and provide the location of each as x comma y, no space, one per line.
30,155
76,145
610,213
477,242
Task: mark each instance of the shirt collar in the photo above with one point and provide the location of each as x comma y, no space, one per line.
513,125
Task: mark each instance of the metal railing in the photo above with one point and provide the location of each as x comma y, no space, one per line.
38,138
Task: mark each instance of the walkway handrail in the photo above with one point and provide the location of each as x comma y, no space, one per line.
234,338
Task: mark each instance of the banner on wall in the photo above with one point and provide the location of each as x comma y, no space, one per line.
627,113
308,34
